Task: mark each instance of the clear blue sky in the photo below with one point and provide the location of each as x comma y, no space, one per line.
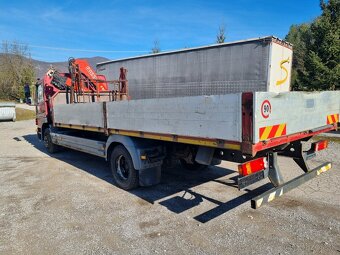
130,27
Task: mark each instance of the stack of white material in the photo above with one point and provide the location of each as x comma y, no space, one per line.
7,111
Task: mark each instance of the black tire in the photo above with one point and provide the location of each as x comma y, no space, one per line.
51,147
193,167
123,171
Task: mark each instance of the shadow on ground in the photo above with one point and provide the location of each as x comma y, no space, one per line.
174,180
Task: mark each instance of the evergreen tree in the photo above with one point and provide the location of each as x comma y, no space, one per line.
316,63
323,45
297,36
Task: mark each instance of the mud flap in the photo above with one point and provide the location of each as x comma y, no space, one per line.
150,176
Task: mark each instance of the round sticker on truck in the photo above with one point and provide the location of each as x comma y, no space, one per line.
266,109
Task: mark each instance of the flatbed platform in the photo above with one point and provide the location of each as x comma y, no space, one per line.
213,121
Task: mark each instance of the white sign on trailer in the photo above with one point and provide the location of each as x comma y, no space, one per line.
280,68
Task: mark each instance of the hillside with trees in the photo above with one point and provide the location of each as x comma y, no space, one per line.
16,69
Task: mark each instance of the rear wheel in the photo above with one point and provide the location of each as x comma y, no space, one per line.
193,167
123,171
51,147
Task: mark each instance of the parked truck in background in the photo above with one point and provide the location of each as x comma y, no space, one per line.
197,106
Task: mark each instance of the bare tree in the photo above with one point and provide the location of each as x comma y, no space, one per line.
220,38
16,69
156,48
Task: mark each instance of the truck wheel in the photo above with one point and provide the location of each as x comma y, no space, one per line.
51,147
123,171
193,167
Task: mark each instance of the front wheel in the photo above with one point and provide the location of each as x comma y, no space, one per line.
51,147
123,171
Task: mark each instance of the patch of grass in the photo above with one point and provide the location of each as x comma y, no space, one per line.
24,114
7,101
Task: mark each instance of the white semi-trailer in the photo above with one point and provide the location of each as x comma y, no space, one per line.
220,120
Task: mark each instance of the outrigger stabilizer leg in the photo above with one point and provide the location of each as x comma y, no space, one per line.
274,173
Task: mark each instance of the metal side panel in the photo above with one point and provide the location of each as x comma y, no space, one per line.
214,70
216,117
84,114
93,147
280,114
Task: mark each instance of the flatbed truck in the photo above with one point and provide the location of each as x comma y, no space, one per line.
84,111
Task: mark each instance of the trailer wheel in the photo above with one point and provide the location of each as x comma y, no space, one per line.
193,167
51,147
123,171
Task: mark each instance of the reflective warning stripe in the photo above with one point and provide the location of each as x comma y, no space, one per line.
332,118
324,169
273,131
269,198
163,137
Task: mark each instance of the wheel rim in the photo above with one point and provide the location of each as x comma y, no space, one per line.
122,168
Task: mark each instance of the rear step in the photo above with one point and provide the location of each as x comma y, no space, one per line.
260,168
273,193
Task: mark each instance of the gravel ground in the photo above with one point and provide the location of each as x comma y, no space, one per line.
67,204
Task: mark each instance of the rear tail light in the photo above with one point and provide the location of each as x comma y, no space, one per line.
320,145
36,121
253,166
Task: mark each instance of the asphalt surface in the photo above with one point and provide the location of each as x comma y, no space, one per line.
66,204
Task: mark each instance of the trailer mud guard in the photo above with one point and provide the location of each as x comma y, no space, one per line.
138,147
271,194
